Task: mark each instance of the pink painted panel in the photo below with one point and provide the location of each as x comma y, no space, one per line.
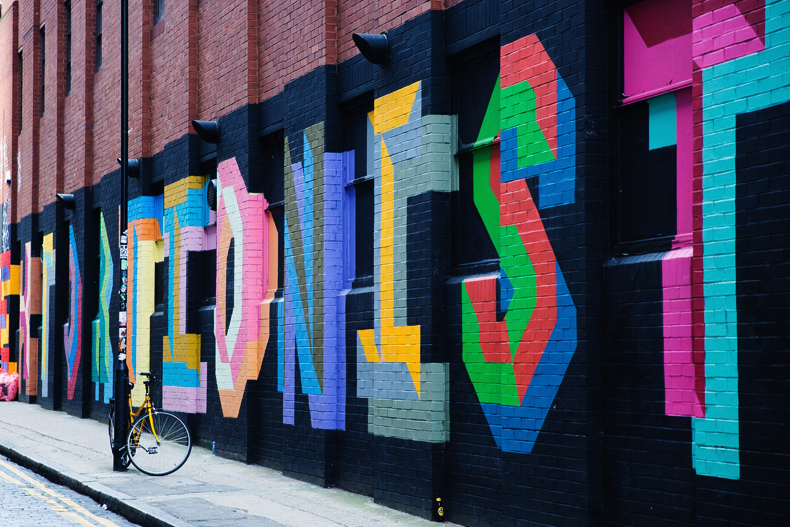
656,46
685,164
189,400
684,395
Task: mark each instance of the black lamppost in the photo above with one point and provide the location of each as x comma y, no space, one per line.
121,373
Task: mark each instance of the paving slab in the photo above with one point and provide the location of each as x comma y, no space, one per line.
208,490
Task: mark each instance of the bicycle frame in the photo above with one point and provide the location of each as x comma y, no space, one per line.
146,406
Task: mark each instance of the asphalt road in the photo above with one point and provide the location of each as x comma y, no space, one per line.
28,500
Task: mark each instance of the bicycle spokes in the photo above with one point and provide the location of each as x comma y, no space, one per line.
161,443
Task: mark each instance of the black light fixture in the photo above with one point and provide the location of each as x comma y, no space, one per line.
207,130
132,167
211,194
67,200
375,48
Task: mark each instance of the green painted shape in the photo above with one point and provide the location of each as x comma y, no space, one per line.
513,258
519,110
662,121
494,382
102,354
485,200
490,127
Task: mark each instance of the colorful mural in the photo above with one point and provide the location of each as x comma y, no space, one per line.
9,278
711,50
737,44
519,328
29,312
47,308
654,62
145,250
246,282
9,286
184,381
102,353
72,331
538,123
407,398
313,346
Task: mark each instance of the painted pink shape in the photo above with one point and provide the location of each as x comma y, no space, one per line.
188,399
73,329
251,229
24,309
729,32
682,397
685,165
650,64
683,379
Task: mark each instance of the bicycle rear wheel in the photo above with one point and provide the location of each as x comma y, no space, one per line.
161,453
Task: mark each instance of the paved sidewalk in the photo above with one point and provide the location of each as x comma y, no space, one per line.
208,490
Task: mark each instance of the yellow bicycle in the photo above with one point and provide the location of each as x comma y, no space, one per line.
158,442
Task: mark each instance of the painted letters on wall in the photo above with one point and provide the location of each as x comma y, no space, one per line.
761,43
47,308
102,356
406,398
145,221
246,283
29,312
519,328
184,381
313,346
72,331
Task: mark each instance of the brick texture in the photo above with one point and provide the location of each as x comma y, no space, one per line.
504,350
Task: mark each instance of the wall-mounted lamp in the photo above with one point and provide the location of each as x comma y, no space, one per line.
211,194
207,130
67,200
132,167
375,48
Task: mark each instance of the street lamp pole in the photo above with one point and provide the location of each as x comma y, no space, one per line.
121,373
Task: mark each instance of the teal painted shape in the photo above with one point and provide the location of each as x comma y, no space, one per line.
663,121
716,437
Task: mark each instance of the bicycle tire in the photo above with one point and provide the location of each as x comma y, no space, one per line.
162,457
125,460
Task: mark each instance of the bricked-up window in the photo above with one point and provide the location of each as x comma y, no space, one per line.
159,10
474,79
43,33
357,136
99,6
653,141
273,177
67,8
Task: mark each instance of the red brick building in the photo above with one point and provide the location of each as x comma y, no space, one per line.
531,259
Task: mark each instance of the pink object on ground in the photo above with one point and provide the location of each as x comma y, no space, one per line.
9,385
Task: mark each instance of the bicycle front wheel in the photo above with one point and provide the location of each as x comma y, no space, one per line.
158,445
